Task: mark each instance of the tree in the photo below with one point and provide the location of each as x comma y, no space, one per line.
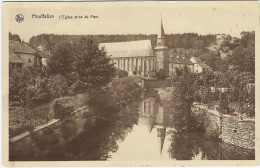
92,65
14,37
29,87
82,64
61,61
181,102
243,56
58,86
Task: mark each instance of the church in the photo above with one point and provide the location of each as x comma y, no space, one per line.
140,58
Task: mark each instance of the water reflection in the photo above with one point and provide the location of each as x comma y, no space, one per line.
138,131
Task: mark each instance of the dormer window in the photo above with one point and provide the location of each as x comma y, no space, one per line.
30,60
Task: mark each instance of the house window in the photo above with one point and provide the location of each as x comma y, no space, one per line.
159,44
30,60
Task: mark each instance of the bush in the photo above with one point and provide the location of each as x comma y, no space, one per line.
161,74
77,87
39,93
205,95
125,90
223,105
58,86
63,107
28,87
121,73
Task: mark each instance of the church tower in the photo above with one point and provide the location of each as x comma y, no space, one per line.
162,52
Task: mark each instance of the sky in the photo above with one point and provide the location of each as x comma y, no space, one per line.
135,17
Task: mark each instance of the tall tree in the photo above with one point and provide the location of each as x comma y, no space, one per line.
92,65
81,63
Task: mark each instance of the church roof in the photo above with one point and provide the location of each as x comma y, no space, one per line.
139,48
18,47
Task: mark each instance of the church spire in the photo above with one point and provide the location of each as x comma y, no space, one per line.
160,38
162,30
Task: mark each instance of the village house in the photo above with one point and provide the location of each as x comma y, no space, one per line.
179,61
22,56
200,66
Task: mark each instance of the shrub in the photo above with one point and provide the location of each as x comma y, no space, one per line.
58,86
62,107
161,74
223,105
205,95
38,93
29,87
77,87
121,73
125,90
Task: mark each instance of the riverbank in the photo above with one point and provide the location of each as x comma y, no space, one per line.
229,129
23,120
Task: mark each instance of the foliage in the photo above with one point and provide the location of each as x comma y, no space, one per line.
243,56
92,65
223,105
82,64
186,40
212,59
38,94
205,95
125,90
182,99
29,87
14,37
58,86
62,107
121,73
161,74
61,62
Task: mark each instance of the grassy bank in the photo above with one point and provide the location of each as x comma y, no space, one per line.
26,119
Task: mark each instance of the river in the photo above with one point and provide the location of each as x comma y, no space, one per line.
140,131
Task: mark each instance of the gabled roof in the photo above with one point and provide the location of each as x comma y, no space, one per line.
202,64
18,47
139,48
13,58
179,59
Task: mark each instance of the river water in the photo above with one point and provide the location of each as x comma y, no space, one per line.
140,131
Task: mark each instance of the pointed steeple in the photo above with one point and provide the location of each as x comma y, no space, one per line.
161,37
162,30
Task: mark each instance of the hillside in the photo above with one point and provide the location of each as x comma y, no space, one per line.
186,41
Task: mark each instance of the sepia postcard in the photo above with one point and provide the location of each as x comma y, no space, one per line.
143,83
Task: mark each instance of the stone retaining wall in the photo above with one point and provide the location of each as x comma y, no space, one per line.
228,128
238,132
